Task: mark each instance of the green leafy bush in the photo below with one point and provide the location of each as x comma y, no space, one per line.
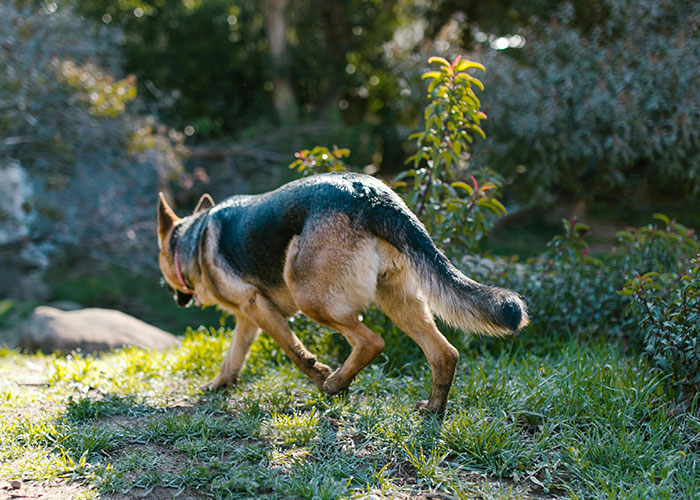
570,292
611,109
567,290
668,306
456,213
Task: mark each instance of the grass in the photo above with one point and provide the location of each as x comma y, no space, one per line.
527,418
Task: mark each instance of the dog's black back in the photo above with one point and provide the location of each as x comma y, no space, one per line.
256,230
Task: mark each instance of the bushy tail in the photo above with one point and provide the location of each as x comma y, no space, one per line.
455,298
463,302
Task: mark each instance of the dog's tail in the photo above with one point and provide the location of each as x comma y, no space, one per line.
455,298
463,302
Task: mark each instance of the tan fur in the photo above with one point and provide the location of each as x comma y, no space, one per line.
332,272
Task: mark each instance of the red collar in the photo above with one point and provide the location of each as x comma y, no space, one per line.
179,273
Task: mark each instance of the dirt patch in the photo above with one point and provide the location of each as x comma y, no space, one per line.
44,490
158,493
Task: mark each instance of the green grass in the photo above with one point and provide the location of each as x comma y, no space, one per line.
527,418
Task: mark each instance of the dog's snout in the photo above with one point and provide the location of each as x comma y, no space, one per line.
183,299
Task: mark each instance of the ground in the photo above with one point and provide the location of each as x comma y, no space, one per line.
527,418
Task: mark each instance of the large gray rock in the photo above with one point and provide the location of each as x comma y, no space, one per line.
89,330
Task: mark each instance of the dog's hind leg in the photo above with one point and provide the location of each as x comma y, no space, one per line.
243,337
366,345
331,271
412,315
264,313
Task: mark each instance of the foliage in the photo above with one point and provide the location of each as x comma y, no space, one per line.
569,290
40,124
104,96
612,110
454,212
668,247
458,214
589,106
319,160
669,308
225,80
73,127
660,266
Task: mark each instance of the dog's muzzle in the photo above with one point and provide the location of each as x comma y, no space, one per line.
183,299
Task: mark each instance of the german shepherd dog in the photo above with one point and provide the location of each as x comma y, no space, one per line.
327,246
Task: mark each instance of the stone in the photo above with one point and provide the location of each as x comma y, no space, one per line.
15,211
15,484
91,330
65,305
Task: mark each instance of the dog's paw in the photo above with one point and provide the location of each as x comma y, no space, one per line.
217,383
425,407
333,389
335,385
319,374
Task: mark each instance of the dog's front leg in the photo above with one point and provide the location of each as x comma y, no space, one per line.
243,337
265,314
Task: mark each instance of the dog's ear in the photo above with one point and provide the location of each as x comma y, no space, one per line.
166,219
205,203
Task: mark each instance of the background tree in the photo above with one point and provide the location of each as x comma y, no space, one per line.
282,90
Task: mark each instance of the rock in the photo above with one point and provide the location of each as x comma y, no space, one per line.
15,210
65,305
21,259
15,484
89,330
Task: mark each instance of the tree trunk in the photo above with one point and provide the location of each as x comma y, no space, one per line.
282,92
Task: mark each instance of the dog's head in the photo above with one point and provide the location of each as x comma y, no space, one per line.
167,223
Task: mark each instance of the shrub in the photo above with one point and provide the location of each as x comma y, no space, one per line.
456,213
570,292
668,306
590,113
70,125
567,290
